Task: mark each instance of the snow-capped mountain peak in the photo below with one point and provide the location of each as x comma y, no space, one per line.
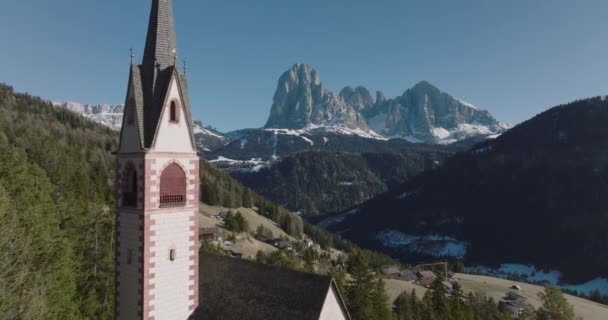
110,115
422,114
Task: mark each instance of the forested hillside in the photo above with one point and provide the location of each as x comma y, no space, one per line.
56,212
539,188
321,182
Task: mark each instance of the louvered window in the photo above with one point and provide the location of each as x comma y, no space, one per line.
173,186
130,187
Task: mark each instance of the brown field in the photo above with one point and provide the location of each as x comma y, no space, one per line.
497,288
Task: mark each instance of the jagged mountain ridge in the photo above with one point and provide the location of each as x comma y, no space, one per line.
110,115
422,114
301,102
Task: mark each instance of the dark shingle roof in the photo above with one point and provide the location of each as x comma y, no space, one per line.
237,289
161,41
152,78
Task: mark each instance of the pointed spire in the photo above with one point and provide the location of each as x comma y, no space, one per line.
160,42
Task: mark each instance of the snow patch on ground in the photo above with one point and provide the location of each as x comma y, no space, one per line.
432,244
330,221
328,127
200,130
378,123
467,104
440,133
406,195
312,143
599,284
251,165
533,274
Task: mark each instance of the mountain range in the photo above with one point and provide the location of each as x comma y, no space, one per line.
531,194
348,134
301,105
110,115
423,114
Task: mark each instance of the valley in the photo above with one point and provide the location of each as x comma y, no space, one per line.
417,201
536,188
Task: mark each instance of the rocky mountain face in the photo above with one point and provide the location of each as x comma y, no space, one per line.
111,116
207,138
534,195
425,114
106,114
301,102
422,114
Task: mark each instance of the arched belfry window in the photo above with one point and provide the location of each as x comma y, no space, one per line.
173,112
129,198
173,186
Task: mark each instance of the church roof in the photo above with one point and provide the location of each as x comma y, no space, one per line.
152,78
235,289
161,46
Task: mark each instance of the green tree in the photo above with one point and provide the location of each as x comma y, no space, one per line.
247,201
439,298
403,307
457,306
554,305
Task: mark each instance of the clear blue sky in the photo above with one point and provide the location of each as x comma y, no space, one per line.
514,58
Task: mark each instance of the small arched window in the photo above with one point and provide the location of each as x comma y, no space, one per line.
173,112
173,186
130,187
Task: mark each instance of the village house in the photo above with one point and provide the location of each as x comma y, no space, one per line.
408,275
393,271
281,244
211,234
515,302
426,278
308,243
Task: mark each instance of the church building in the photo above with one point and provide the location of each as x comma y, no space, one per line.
157,224
158,185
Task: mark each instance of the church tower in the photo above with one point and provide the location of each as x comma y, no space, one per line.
157,180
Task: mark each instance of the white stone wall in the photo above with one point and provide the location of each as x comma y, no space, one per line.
170,286
331,307
129,277
173,137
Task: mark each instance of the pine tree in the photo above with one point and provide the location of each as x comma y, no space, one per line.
247,202
403,307
457,307
554,305
439,299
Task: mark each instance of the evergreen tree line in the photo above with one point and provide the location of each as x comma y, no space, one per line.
235,222
365,296
56,212
438,304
